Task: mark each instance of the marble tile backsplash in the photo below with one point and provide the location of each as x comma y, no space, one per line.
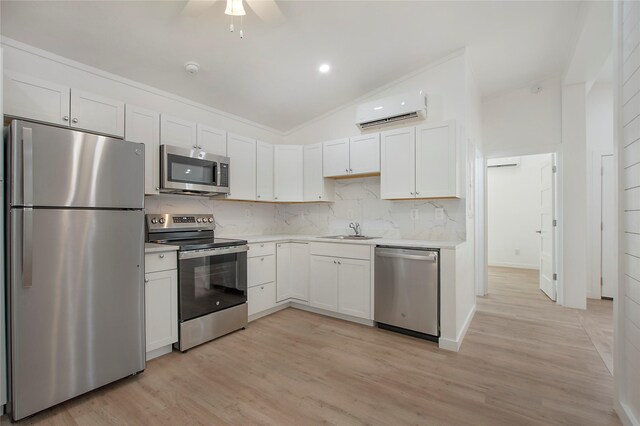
357,200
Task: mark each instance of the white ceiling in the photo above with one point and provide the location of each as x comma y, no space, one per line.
271,76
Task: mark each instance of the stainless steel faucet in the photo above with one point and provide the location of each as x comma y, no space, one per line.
356,228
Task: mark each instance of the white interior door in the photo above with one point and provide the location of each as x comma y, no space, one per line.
547,235
607,233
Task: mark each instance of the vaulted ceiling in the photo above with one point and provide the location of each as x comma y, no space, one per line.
271,76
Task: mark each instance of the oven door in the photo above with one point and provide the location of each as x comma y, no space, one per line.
212,280
191,170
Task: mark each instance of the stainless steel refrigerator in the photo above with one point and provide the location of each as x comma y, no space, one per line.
75,238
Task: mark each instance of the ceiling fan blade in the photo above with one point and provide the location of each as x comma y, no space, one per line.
267,10
195,8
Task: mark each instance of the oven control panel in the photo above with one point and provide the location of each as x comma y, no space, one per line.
167,221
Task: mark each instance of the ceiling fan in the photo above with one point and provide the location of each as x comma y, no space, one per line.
267,10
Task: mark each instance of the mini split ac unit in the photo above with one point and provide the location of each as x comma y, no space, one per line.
503,162
392,110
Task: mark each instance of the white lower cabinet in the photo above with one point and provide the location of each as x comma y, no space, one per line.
261,298
354,287
161,309
340,284
292,271
161,301
323,285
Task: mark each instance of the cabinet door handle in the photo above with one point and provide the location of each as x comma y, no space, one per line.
162,256
65,118
75,120
412,193
195,146
261,245
262,288
417,193
146,280
350,170
346,170
157,188
258,196
262,259
339,263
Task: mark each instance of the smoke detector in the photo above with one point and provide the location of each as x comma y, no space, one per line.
192,67
535,88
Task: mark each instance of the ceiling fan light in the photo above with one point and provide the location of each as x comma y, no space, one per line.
235,8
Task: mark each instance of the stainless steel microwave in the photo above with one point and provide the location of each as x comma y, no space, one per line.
192,171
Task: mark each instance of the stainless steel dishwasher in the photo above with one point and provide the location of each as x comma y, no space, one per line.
407,290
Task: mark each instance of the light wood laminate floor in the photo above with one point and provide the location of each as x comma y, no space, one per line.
524,361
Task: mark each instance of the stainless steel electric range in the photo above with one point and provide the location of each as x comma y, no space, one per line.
212,276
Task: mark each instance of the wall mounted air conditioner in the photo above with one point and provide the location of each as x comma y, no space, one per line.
392,110
503,162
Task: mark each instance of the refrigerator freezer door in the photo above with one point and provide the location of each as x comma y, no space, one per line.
56,167
76,303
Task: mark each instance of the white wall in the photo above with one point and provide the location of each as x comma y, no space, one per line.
627,149
518,120
599,135
443,82
513,201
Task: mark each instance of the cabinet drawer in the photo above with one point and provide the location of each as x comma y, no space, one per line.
261,270
261,249
261,298
351,251
154,262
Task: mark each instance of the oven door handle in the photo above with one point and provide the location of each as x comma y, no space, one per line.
212,252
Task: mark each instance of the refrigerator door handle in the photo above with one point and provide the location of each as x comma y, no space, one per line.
27,248
27,166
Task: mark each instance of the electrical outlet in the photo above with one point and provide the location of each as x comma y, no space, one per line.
517,251
349,214
414,214
439,213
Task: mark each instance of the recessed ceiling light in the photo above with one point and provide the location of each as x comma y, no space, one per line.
324,68
377,108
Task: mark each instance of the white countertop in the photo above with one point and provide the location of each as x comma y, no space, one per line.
157,248
375,241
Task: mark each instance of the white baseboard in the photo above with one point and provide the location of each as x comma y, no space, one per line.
626,416
332,314
454,345
269,311
515,265
159,352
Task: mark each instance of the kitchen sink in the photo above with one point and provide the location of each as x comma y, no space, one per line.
349,237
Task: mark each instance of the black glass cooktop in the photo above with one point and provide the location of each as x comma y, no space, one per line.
203,243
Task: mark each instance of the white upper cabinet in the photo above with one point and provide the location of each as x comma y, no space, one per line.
143,126
316,187
28,97
212,140
436,161
35,99
97,113
178,132
398,162
364,154
336,157
288,175
264,171
242,164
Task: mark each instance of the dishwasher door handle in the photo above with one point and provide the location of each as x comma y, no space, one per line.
430,257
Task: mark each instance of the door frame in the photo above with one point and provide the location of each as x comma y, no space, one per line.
482,286
594,289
